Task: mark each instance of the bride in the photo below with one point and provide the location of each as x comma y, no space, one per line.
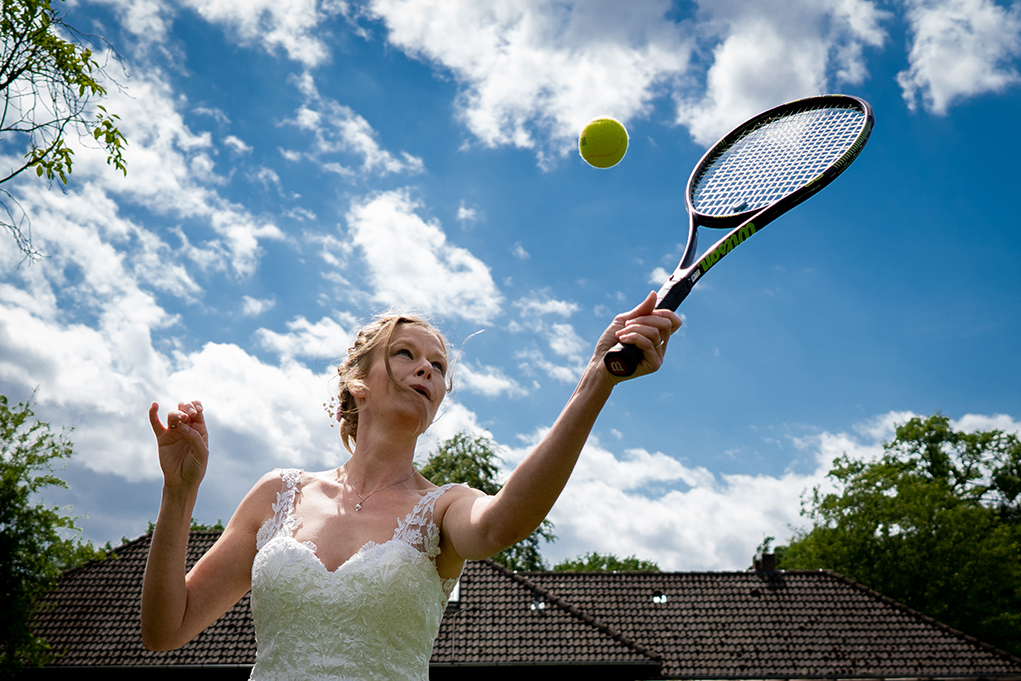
350,568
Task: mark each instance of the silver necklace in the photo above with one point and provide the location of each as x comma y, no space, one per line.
358,506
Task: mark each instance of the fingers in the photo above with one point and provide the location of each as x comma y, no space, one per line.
644,308
154,419
191,412
188,414
646,326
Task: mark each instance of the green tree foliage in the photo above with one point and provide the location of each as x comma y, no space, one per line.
473,460
196,526
48,81
34,546
605,562
934,523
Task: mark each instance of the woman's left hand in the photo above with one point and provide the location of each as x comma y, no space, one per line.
645,327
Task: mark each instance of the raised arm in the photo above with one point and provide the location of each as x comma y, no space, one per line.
176,607
477,526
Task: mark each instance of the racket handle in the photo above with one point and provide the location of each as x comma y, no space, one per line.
623,360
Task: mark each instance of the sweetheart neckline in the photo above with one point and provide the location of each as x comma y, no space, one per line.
364,548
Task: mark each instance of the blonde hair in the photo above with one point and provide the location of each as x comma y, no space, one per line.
354,370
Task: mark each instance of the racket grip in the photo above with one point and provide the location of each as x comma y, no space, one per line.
623,360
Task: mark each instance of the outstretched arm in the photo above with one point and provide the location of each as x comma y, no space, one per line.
176,607
475,527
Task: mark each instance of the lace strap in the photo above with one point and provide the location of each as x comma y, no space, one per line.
283,518
418,529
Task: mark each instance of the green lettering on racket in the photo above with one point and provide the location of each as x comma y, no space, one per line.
729,244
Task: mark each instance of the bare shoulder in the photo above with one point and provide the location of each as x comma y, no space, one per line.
257,506
453,495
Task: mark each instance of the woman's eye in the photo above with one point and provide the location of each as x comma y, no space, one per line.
403,351
439,367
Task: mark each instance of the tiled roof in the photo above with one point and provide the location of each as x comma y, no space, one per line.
92,617
803,624
723,625
503,618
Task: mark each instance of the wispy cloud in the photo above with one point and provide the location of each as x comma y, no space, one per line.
339,131
550,66
776,51
434,276
959,49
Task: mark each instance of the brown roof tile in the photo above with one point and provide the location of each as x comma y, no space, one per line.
718,625
503,618
92,618
774,624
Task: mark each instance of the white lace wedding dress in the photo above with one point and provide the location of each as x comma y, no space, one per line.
374,617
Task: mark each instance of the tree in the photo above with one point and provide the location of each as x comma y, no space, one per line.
196,526
934,523
48,81
34,548
605,562
473,460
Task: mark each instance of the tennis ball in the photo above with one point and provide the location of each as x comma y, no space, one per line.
603,143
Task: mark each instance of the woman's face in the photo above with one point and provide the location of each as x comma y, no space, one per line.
418,360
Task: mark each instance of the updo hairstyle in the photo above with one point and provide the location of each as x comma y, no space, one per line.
353,371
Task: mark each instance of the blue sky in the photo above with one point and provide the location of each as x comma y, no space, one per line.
297,166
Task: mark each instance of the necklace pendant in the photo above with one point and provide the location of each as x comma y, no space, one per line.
358,506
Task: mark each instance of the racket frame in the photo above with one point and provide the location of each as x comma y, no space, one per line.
623,360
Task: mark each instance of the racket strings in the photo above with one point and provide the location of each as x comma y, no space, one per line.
774,158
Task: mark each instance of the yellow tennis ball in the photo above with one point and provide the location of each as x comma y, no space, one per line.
603,143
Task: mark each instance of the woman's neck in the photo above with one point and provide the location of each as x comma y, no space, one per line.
380,460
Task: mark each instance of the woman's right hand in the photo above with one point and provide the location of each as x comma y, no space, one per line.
183,444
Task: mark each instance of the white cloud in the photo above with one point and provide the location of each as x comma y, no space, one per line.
324,341
411,264
538,303
543,64
973,422
776,51
338,129
565,341
148,20
959,49
560,337
101,376
884,426
658,276
486,380
237,144
171,172
652,505
253,307
453,418
466,214
278,407
536,364
289,25
539,69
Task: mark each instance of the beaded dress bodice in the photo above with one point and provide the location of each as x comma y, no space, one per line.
374,617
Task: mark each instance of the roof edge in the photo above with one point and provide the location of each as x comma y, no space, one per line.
929,620
576,612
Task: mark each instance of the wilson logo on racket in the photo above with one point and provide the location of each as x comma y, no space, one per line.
726,246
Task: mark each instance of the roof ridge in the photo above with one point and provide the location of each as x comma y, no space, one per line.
111,554
575,611
919,615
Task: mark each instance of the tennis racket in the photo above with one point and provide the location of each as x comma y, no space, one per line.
755,174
